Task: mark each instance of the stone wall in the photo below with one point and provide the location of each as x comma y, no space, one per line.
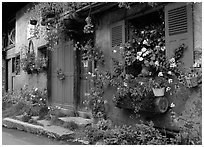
182,96
36,80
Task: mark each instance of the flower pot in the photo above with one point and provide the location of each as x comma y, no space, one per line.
158,91
191,81
161,104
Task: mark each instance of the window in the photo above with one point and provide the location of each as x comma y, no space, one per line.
42,52
145,32
16,64
11,34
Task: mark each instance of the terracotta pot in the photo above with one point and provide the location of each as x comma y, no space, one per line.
161,104
191,81
158,91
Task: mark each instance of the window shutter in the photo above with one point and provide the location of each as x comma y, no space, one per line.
179,30
117,38
117,34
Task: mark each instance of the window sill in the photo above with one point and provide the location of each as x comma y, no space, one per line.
9,47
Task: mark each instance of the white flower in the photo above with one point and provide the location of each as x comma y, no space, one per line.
36,89
144,54
172,105
156,63
172,60
173,65
89,73
93,75
169,72
125,84
114,51
140,58
121,47
168,88
144,49
170,80
139,53
163,48
157,47
145,42
160,74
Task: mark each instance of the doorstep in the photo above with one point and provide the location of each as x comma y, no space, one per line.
51,131
78,120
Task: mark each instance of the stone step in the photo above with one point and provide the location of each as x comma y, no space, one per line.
51,131
78,120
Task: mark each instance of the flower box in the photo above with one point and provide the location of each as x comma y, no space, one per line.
158,91
191,81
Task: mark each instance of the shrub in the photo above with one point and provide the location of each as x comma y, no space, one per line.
139,134
25,100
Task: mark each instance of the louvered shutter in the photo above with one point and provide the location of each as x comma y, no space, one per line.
179,30
117,37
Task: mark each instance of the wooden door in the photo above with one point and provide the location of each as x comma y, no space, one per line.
62,90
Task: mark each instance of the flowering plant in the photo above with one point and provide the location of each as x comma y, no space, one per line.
191,72
88,28
158,82
91,53
32,64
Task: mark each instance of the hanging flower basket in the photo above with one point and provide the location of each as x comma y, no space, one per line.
158,91
191,81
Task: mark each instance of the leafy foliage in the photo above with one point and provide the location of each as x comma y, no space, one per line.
32,64
139,134
25,101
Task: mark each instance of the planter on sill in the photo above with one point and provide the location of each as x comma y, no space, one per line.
191,81
158,91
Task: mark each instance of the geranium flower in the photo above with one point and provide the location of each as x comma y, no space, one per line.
144,49
168,88
156,63
172,60
169,72
173,65
125,84
139,53
145,42
160,74
163,48
140,58
170,80
172,105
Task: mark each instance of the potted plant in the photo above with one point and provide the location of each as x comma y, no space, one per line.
191,77
158,86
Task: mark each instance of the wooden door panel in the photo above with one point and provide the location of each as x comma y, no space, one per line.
62,90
